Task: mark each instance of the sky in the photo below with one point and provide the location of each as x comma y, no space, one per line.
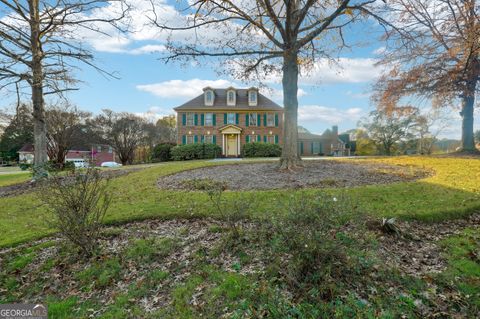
328,95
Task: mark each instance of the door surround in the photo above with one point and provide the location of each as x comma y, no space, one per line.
230,133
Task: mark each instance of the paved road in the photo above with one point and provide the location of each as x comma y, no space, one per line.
11,170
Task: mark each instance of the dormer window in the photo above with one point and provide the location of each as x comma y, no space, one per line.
252,97
209,96
231,97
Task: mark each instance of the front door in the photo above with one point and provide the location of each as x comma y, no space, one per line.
231,145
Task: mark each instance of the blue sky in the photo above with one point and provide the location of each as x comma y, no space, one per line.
147,86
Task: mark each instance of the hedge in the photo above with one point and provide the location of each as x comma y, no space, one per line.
261,150
195,151
162,152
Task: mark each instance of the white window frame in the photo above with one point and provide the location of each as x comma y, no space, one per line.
210,122
191,138
270,119
253,138
234,118
209,93
255,118
190,121
271,139
252,97
231,102
208,139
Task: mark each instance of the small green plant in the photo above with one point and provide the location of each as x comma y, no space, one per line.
162,152
77,202
233,211
147,250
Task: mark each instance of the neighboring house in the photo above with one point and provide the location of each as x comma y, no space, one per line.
96,153
329,143
229,118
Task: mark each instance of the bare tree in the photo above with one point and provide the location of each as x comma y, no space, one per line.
123,131
252,34
63,130
429,126
434,53
40,42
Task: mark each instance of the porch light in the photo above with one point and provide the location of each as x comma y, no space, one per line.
189,132
253,132
208,132
271,132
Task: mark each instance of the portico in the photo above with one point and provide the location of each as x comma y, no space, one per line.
231,140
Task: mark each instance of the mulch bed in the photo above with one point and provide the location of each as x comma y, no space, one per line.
314,174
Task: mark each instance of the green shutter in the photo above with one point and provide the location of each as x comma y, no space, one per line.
259,138
195,119
225,118
276,139
184,119
214,119
276,119
301,148
214,139
265,119
184,139
195,139
311,148
246,120
247,138
237,118
202,119
259,120
265,139
202,138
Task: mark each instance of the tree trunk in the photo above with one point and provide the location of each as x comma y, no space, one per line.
290,158
468,102
39,125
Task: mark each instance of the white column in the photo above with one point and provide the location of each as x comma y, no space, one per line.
238,144
223,144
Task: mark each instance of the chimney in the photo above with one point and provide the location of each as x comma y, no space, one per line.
335,130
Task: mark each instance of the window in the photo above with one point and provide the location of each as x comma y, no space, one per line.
110,149
231,98
252,119
252,97
99,149
270,119
231,118
253,138
208,119
190,139
271,139
209,97
208,139
190,119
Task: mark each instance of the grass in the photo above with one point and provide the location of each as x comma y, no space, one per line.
14,178
452,192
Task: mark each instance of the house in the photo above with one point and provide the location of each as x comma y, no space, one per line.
230,118
96,153
328,143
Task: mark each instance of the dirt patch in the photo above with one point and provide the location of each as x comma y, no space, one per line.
314,174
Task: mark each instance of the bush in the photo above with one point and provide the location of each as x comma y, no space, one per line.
261,150
316,231
162,152
25,166
78,201
195,151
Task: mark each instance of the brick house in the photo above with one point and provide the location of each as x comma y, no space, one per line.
98,153
229,118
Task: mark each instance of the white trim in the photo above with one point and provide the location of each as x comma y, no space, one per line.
234,102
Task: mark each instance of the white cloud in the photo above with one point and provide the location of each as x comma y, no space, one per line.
183,89
379,51
318,113
154,113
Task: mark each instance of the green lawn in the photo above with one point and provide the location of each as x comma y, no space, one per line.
7,179
453,191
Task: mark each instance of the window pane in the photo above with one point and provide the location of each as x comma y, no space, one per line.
189,139
253,96
208,139
209,96
271,139
270,119
231,97
190,117
231,118
253,119
208,119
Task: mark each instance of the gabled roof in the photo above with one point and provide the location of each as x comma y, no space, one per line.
27,148
220,102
